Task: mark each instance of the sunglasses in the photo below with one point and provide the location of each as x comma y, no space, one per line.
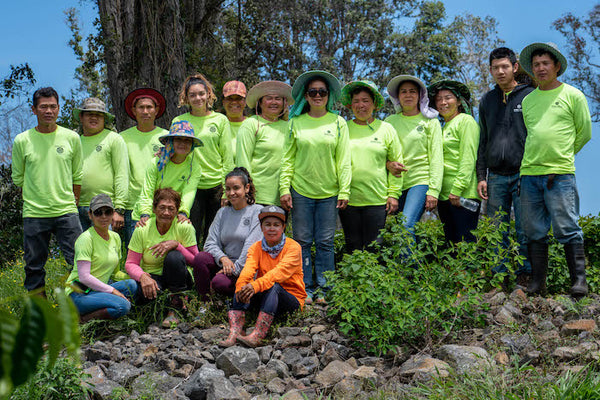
106,211
315,92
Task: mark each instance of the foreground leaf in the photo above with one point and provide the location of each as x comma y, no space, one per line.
28,343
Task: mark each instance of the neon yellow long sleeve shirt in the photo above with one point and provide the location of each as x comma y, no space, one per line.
461,140
216,156
46,166
370,148
141,147
260,150
105,168
174,176
422,150
316,158
558,126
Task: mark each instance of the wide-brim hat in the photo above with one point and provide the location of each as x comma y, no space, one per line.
183,129
525,56
271,211
264,88
393,87
142,93
459,89
346,97
93,104
333,84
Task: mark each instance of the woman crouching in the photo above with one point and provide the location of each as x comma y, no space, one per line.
272,277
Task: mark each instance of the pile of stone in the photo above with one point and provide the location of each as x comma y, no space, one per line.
315,361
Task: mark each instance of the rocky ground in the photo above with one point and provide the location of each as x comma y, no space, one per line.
314,360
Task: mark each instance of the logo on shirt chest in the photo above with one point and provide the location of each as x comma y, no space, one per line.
246,222
328,133
420,129
60,149
376,140
518,109
212,129
99,148
556,104
155,148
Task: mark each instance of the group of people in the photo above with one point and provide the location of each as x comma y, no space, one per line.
231,182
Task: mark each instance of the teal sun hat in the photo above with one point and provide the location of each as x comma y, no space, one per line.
299,88
460,90
525,56
346,97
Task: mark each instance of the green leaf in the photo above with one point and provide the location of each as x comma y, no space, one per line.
8,330
54,330
28,343
69,320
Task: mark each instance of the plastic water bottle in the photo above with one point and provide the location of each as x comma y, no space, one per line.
469,204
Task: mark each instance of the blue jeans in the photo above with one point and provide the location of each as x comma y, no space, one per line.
116,306
314,220
275,301
84,217
36,239
412,205
503,191
128,227
558,206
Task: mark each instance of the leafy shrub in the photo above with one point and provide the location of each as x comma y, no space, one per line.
416,292
11,221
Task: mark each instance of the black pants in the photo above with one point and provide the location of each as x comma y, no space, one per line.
275,301
458,222
362,225
206,204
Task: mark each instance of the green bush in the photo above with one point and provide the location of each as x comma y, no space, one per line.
11,221
416,293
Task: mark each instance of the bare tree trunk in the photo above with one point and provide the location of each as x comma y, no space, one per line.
145,43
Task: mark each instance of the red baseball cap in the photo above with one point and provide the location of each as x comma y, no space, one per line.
141,93
232,88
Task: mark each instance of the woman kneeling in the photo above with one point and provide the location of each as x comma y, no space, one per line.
272,277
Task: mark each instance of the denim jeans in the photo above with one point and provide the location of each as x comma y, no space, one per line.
128,227
115,305
458,222
503,192
557,206
362,225
314,220
412,205
36,239
275,301
84,217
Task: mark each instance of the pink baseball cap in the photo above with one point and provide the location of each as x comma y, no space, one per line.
232,88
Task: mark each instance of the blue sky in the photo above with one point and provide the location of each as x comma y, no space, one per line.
35,32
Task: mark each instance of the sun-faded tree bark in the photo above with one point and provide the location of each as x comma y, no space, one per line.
146,43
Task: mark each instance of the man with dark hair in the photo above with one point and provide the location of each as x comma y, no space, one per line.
501,143
558,123
46,163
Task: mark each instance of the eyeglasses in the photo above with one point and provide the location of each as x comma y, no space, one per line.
315,92
106,211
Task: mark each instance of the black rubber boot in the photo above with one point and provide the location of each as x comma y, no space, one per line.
538,256
576,263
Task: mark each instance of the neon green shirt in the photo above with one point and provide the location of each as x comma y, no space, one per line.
461,139
558,126
316,157
371,147
235,128
105,168
147,236
260,152
182,178
422,149
104,256
216,156
46,166
141,147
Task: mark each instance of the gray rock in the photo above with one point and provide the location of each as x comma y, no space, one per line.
264,353
291,356
546,326
347,387
365,373
296,394
504,317
293,341
106,389
318,342
175,394
276,385
465,358
329,356
424,367
183,357
342,350
95,354
497,299
238,360
167,363
123,373
196,387
183,372
516,344
284,331
371,361
153,383
147,338
306,367
317,329
222,389
333,373
280,367
265,374
211,335
584,350
532,358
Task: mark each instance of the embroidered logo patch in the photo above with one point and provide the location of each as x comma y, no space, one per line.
246,221
99,148
60,149
213,129
155,148
420,128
